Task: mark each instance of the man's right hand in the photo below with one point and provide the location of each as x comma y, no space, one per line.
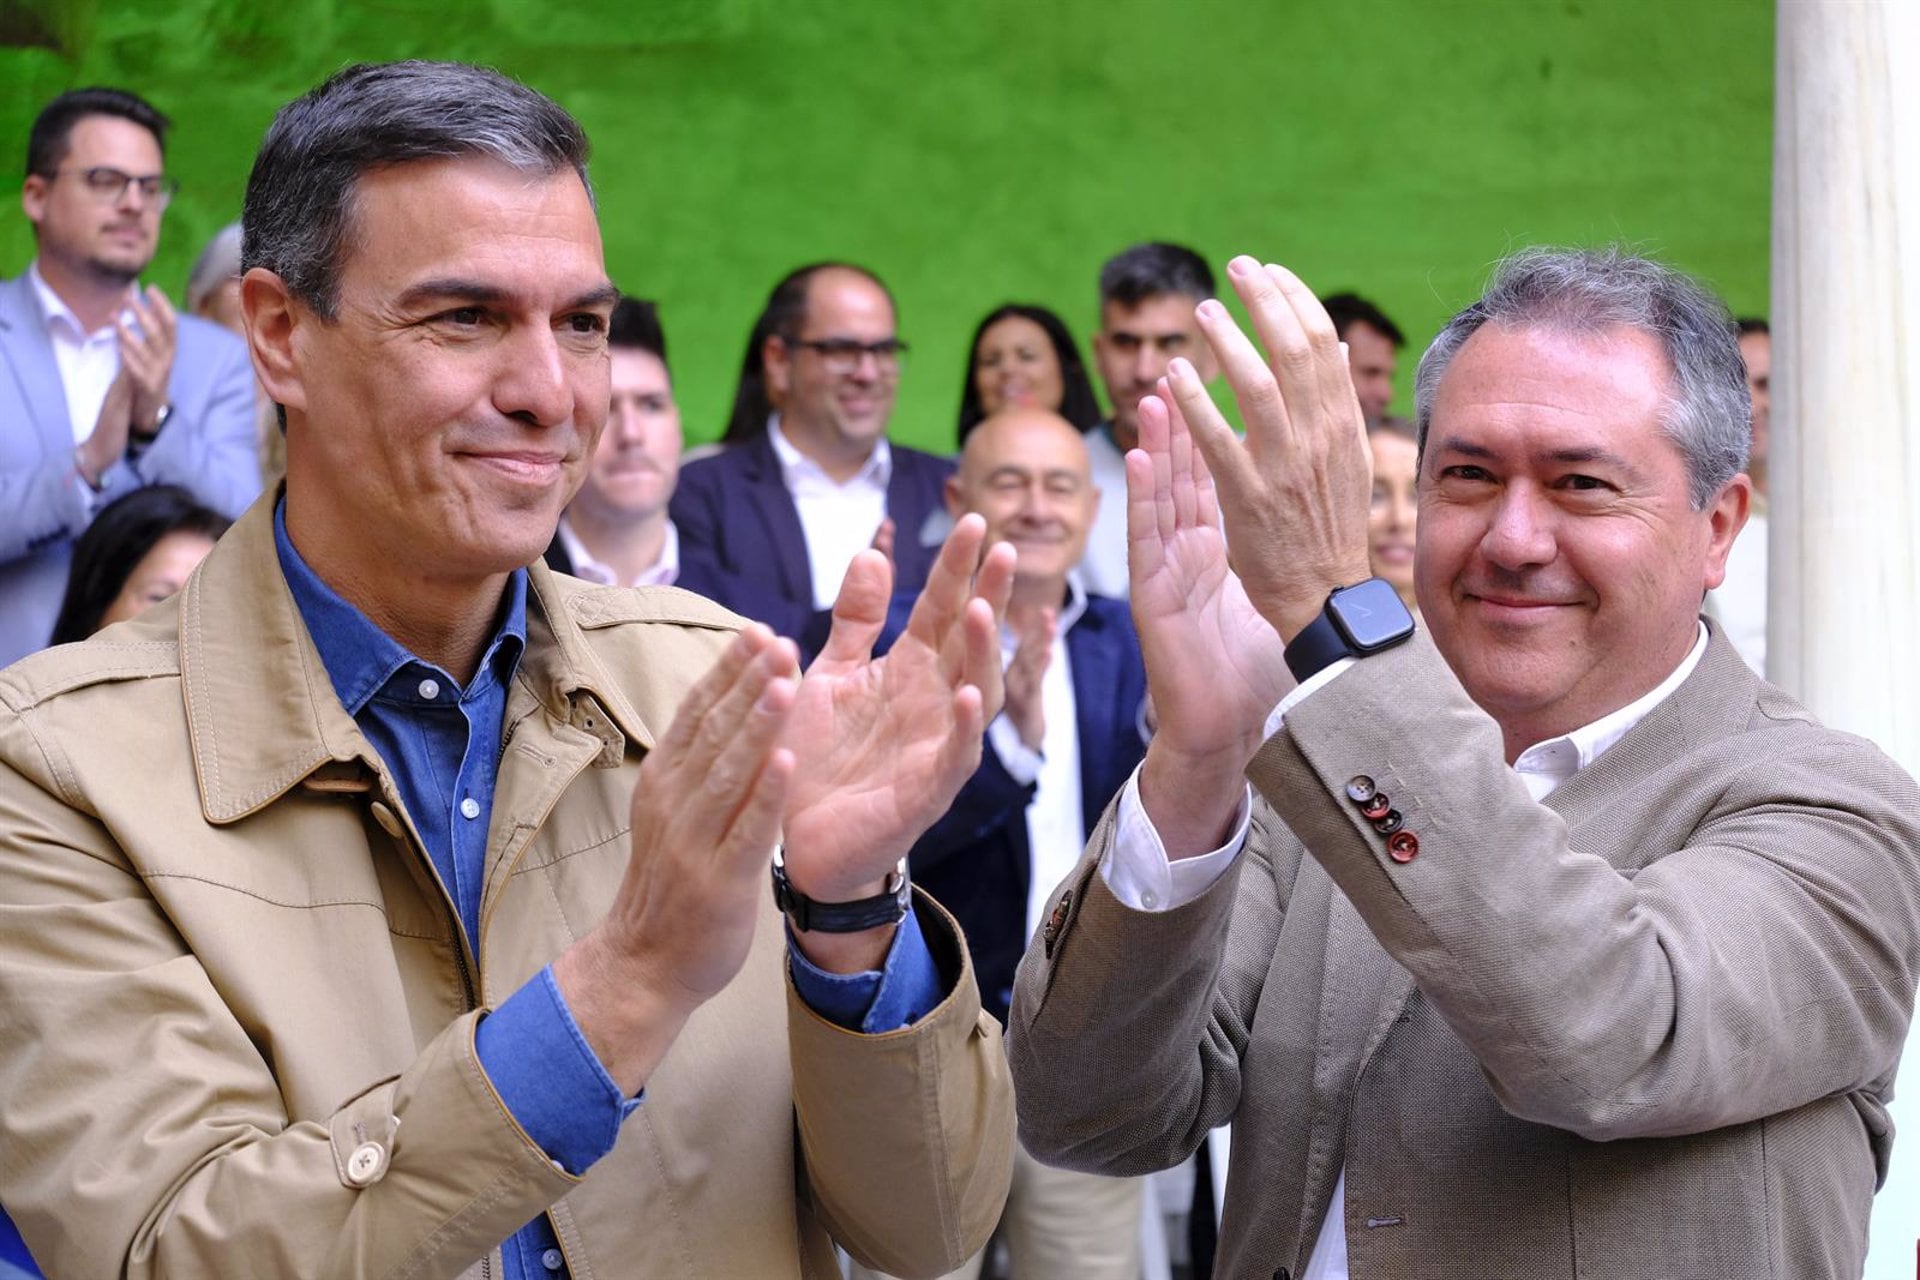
1026,674
706,815
109,439
1215,667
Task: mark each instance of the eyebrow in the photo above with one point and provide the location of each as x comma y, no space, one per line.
453,287
1590,453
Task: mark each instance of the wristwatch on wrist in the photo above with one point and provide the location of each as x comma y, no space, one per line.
1357,620
159,421
808,916
93,482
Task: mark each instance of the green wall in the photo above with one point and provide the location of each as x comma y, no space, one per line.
974,153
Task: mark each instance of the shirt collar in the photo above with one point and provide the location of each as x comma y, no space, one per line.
359,657
663,572
55,309
796,466
1558,759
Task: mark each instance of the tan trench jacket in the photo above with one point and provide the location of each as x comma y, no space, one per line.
237,1016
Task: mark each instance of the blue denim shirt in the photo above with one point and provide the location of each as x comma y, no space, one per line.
441,742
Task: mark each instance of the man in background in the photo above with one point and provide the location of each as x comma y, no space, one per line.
109,389
1147,297
1373,351
789,503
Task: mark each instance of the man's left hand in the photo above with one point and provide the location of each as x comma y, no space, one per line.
1294,495
146,355
882,745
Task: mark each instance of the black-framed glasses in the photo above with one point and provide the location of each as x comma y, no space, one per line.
843,355
109,185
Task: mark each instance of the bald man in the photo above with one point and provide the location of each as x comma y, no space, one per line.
1069,737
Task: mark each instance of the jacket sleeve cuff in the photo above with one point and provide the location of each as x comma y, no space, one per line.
903,990
552,1082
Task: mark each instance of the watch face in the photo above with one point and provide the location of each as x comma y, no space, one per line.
1371,614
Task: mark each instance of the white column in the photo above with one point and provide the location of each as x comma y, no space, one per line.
1844,597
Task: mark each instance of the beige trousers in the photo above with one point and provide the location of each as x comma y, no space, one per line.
1062,1225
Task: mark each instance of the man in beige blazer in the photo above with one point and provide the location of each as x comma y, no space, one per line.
1556,945
387,905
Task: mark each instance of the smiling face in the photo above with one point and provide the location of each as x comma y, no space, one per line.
1026,472
1560,564
438,425
1391,516
827,410
109,240
1015,365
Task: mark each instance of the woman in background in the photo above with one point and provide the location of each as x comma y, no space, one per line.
1023,355
1390,520
137,552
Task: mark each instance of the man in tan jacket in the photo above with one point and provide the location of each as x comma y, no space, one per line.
1556,946
390,906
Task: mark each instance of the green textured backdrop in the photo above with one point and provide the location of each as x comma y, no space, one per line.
974,153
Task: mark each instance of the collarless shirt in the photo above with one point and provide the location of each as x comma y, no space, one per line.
88,362
838,518
663,572
1104,565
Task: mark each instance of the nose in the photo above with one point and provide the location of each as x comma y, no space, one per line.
1149,364
533,383
1520,535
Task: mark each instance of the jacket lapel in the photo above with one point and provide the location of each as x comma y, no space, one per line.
27,353
772,505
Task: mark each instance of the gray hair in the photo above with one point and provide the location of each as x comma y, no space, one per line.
300,195
218,263
1709,415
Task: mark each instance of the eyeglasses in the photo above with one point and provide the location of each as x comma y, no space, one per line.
843,355
109,186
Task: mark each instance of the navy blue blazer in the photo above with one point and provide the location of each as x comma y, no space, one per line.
701,576
977,860
734,507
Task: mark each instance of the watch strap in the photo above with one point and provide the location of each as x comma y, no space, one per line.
809,916
1318,646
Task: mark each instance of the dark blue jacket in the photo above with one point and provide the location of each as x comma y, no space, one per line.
734,507
976,860
701,576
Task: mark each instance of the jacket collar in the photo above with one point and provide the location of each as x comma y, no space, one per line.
262,715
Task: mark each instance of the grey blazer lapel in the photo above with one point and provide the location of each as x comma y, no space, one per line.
27,354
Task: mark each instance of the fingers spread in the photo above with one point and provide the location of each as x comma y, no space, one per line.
949,583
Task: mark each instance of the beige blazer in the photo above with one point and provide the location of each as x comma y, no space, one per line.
1646,1029
236,1014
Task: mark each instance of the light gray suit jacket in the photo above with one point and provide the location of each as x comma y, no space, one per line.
208,445
1646,1029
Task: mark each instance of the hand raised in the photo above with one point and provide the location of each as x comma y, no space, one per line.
1295,494
146,354
706,815
1025,703
884,744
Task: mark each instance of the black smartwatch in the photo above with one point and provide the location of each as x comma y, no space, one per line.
808,916
1357,620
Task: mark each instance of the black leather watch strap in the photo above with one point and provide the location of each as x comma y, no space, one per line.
1316,648
808,916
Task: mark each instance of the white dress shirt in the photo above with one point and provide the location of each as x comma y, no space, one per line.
663,572
1138,872
839,520
1056,826
1104,565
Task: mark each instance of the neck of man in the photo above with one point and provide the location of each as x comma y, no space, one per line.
627,545
837,455
443,619
1032,595
95,295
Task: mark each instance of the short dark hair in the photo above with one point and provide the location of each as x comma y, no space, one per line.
106,554
783,316
52,130
1349,309
636,326
1077,403
1153,269
1751,324
300,194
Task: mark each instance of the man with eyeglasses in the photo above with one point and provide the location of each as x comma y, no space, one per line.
809,479
109,389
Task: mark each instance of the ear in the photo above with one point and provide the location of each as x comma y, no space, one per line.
33,197
956,498
776,362
274,319
1725,518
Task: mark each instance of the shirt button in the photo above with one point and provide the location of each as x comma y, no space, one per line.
366,1164
552,1260
469,808
1150,900
429,689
